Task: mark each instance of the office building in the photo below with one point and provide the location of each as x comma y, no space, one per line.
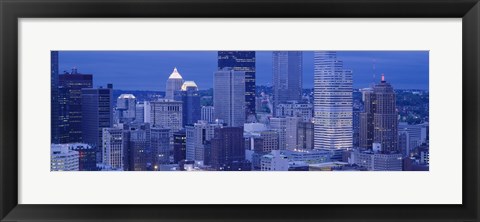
379,121
116,148
274,161
332,102
191,102
243,61
179,146
54,104
140,153
305,135
377,161
97,113
70,101
160,146
229,97
87,156
280,125
126,108
63,159
174,83
140,112
287,76
297,109
166,114
411,136
228,149
198,134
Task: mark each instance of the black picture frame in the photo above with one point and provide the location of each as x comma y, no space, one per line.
12,10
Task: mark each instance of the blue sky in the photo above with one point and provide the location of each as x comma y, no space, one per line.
149,70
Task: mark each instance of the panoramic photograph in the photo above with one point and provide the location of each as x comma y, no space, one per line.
239,111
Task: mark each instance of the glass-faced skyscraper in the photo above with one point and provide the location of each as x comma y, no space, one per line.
70,99
174,83
190,101
55,109
332,102
97,113
228,96
287,76
242,61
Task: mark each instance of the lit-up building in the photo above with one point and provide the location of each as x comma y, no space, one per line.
174,83
126,108
332,102
229,97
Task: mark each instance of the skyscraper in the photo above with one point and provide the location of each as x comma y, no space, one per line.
54,105
126,108
287,76
228,148
332,102
242,61
97,113
139,146
379,123
174,83
70,99
191,103
228,96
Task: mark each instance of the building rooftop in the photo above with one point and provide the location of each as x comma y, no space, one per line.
187,84
175,74
126,96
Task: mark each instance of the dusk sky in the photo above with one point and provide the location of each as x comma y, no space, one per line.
149,70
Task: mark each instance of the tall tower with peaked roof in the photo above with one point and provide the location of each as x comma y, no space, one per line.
174,83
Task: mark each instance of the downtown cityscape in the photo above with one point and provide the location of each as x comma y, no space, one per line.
239,111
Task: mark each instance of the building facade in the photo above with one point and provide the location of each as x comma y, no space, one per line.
174,83
229,97
242,61
287,76
332,102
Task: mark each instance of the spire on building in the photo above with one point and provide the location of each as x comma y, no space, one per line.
175,74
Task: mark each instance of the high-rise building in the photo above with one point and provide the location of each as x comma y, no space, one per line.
198,134
54,105
179,146
174,83
332,102
379,121
413,136
191,102
63,159
147,112
97,113
160,146
242,61
70,101
287,76
126,108
229,97
228,149
166,114
208,113
116,148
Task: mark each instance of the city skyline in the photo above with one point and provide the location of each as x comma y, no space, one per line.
234,126
148,70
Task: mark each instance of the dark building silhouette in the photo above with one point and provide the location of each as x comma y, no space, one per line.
70,102
242,61
179,146
160,146
97,113
87,157
378,123
54,105
228,149
139,153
